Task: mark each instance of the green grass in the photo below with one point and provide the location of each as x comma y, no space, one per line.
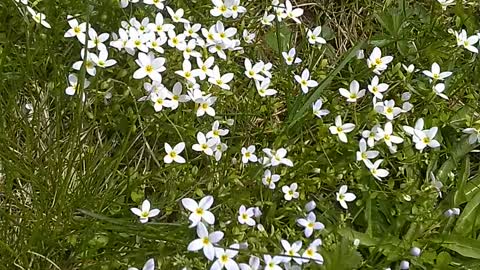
72,170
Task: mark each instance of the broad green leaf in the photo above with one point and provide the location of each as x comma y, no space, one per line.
284,34
462,179
467,247
466,220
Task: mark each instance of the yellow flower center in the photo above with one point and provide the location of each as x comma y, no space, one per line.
199,211
77,29
149,68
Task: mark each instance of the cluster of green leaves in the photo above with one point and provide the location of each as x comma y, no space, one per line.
73,170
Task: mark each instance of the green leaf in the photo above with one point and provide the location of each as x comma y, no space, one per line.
294,116
466,221
463,177
467,247
284,37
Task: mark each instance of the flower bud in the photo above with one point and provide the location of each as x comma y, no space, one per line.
456,211
356,242
257,212
360,54
448,213
310,206
415,251
404,265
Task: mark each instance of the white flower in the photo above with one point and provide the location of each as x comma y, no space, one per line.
253,264
73,81
145,213
157,3
176,41
418,126
160,27
266,69
438,89
272,263
187,71
269,180
435,73
102,60
220,9
174,154
177,16
176,96
76,29
219,149
160,100
137,40
95,40
248,154
293,13
248,37
235,8
317,109
377,89
25,2
190,50
341,129
311,252
468,43
291,251
387,135
245,216
365,155
409,69
205,106
199,210
474,135
205,241
149,66
424,138
377,62
124,4
376,172
225,259
314,36
277,157
192,30
38,17
343,197
203,145
310,206
216,132
310,224
263,88
354,93
150,264
204,67
120,42
290,192
290,57
388,109
267,19
446,3
89,64
305,81
370,135
252,72
219,80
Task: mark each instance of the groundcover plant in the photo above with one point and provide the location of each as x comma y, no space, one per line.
235,134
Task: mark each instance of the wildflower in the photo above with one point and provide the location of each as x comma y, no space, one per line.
310,206
124,4
245,216
290,57
73,81
388,109
267,19
415,251
220,80
311,252
370,135
474,135
314,36
411,130
317,109
467,42
305,81
190,50
216,132
199,210
270,179
176,41
145,213
159,27
263,88
204,67
89,64
248,37
266,67
177,16
277,157
310,224
225,259
39,17
252,72
203,145
272,263
377,89
220,148
376,172
354,92
157,3
404,265
409,69
205,106
174,154
435,73
438,89
365,155
160,100
248,154
102,60
341,129
187,71
137,41
253,264
149,66
437,184
290,192
387,135
176,96
293,13
446,3
220,9
235,8
343,197
150,264
76,30
377,62
205,241
424,138
95,40
291,251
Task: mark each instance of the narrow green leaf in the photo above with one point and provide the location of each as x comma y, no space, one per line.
463,177
467,247
466,220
